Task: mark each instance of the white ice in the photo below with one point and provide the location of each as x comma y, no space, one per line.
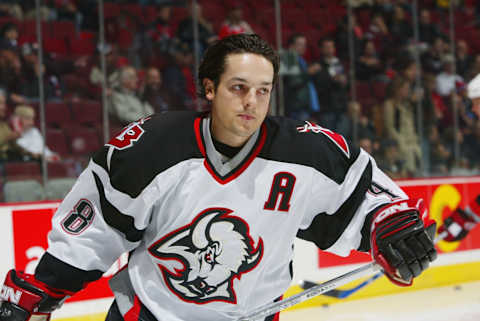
452,303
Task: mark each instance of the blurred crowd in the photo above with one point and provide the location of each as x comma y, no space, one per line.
405,116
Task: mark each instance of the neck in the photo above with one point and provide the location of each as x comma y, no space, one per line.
223,136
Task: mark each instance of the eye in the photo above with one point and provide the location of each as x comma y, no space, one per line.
237,87
263,91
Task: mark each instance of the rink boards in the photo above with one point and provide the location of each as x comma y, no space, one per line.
24,228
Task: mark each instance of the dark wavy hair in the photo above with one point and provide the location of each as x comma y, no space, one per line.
213,62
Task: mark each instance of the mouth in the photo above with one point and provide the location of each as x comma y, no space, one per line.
246,117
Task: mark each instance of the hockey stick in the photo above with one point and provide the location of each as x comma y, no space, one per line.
272,308
342,294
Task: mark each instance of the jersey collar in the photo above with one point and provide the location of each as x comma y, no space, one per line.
228,171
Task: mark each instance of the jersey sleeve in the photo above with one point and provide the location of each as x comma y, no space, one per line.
99,219
341,206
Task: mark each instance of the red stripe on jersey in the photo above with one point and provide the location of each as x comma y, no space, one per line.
246,163
134,313
198,135
338,140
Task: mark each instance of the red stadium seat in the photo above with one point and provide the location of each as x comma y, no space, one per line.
110,9
61,169
57,141
81,47
87,113
63,29
29,27
133,9
75,84
83,141
22,170
56,46
57,115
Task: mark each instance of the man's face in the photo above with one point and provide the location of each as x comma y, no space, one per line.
153,78
241,101
27,122
425,17
300,45
130,80
328,48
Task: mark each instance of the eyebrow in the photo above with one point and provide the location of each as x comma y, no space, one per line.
264,83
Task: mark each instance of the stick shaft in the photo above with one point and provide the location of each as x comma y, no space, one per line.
275,307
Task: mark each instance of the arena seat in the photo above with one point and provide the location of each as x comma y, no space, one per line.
87,112
57,141
81,47
83,141
22,170
57,115
23,191
58,188
63,29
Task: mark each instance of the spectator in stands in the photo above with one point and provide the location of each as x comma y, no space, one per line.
383,7
369,66
206,33
30,11
472,146
354,117
474,69
7,135
390,161
400,28
342,36
432,60
407,69
68,10
160,34
428,31
9,37
447,80
439,154
399,118
125,106
11,8
435,111
31,142
31,69
463,58
331,85
234,24
11,76
378,32
112,62
155,94
301,98
178,76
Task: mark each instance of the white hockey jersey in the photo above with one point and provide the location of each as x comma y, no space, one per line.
209,239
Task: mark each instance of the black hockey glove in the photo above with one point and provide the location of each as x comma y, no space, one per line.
24,298
400,242
460,222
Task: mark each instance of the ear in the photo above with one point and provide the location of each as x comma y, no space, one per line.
209,88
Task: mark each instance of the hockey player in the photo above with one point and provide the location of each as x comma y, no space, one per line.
208,206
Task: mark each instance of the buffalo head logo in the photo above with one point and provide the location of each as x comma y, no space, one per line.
200,260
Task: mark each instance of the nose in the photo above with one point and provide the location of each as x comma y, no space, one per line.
250,98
